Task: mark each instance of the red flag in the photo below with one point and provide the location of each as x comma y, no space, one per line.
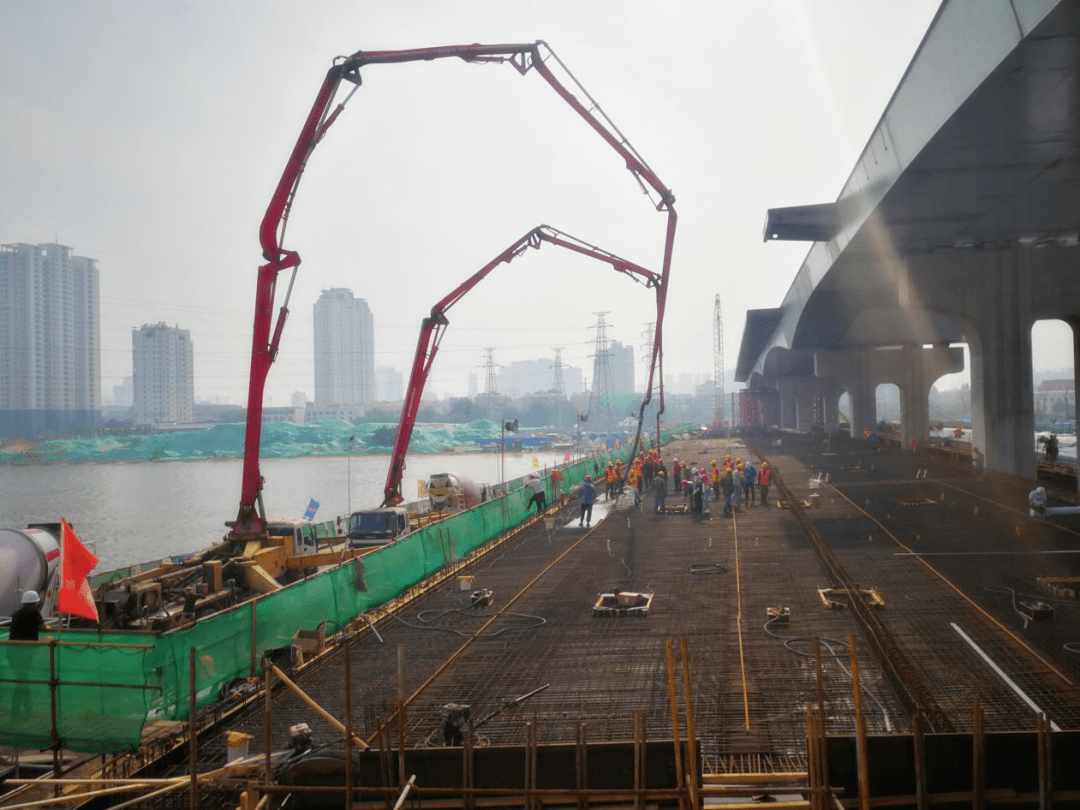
75,564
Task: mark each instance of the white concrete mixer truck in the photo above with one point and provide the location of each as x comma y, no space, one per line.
29,561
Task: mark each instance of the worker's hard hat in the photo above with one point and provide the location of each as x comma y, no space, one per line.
713,462
764,464
588,478
30,598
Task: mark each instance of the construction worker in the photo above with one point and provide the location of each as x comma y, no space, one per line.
727,484
736,485
676,474
1037,502
714,475
978,463
633,478
539,497
749,478
609,475
764,479
659,487
586,497
26,622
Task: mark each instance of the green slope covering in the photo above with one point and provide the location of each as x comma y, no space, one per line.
326,437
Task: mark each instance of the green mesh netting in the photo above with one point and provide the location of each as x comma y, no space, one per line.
279,440
100,700
108,689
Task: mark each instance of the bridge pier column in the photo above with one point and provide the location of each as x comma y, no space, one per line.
1002,396
806,401
915,371
851,369
789,407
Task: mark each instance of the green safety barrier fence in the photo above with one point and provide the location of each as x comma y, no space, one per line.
107,685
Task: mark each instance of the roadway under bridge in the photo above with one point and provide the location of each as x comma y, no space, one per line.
958,224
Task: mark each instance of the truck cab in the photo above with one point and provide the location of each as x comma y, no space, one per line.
305,537
377,527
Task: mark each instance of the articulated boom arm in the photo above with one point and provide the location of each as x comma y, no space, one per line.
434,326
523,57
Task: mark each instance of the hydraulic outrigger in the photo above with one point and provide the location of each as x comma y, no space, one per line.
266,335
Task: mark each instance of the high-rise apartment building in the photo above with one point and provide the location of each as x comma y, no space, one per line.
389,384
164,375
50,340
621,360
344,349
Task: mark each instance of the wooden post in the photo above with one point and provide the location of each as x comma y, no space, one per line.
385,754
530,777
193,728
401,713
254,633
268,689
691,748
823,747
860,729
55,730
676,737
978,757
348,725
920,762
468,768
639,760
580,767
1045,783
812,759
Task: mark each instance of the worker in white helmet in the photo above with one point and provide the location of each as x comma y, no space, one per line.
26,622
1037,502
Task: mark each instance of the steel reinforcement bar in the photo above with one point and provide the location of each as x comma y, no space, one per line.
901,672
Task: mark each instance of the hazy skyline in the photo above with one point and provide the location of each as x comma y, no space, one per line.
150,137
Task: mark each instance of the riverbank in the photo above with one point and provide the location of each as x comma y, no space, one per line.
330,437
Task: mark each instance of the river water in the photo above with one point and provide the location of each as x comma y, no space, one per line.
134,512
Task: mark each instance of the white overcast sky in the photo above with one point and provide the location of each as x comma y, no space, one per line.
149,136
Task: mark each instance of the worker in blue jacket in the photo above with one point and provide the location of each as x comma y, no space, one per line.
586,497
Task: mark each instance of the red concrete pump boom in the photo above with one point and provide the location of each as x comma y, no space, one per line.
433,327
266,335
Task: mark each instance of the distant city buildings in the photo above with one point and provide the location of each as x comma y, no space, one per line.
622,367
50,340
344,350
123,395
164,376
389,384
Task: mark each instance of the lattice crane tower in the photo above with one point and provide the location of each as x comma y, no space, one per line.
718,363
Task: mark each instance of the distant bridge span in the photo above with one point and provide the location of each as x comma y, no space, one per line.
958,224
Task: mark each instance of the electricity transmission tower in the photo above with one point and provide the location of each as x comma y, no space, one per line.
648,338
489,372
718,364
600,399
557,385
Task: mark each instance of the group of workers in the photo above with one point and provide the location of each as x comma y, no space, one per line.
736,481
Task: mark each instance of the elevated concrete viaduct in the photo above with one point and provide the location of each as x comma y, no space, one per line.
958,224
